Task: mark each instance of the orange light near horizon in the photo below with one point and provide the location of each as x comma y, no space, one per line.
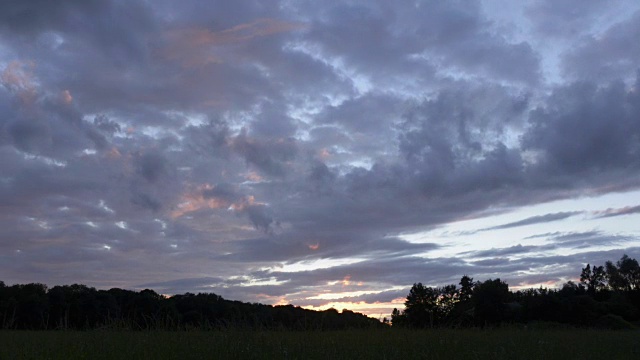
346,281
314,247
375,309
545,284
279,300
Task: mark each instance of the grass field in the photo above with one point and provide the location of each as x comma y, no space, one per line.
354,344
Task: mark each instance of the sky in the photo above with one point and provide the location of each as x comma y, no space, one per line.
317,153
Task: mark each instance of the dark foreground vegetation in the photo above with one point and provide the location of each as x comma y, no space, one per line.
607,297
78,307
387,343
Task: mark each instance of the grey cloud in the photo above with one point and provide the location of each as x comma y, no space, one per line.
555,241
628,210
495,263
586,240
586,129
42,15
259,217
179,286
269,156
429,30
273,122
613,54
209,139
151,166
564,18
383,296
226,192
314,244
146,201
536,220
113,27
545,235
513,250
106,125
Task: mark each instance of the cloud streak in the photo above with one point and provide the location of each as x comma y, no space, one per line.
538,219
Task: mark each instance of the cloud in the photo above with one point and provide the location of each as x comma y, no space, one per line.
585,128
539,219
194,47
18,79
269,156
611,54
566,18
627,210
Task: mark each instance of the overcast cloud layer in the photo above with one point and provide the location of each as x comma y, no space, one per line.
278,151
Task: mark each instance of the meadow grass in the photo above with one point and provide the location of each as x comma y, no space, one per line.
351,344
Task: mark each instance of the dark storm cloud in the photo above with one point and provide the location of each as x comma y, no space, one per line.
535,220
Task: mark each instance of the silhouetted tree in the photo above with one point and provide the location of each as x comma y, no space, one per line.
420,306
428,306
490,301
398,318
624,275
466,288
593,279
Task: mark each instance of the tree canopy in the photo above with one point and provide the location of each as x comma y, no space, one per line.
607,296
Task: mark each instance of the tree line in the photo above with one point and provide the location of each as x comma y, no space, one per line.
36,307
607,296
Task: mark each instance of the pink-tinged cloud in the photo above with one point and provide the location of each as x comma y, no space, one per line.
66,97
324,154
194,47
253,176
196,199
18,78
